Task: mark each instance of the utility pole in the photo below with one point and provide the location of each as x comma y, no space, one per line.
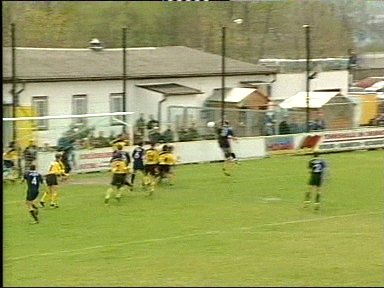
124,76
15,96
223,32
307,78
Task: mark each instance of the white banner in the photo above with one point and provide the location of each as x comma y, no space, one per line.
352,140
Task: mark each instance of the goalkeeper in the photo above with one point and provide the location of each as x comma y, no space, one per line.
120,167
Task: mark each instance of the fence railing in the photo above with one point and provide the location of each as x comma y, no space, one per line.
192,121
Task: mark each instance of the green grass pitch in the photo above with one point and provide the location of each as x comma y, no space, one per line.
208,229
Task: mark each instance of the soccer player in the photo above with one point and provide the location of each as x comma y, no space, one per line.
138,161
317,168
166,160
34,180
151,161
225,136
30,155
65,161
55,171
120,167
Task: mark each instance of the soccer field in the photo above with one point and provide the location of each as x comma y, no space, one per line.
208,229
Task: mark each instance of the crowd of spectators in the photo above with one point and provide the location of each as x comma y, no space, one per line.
291,125
149,131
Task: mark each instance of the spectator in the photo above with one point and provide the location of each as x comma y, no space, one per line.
10,156
269,129
140,124
122,139
294,126
284,127
152,123
66,158
111,136
65,142
192,133
182,134
92,140
29,155
101,141
168,135
154,135
318,123
380,120
138,138
377,121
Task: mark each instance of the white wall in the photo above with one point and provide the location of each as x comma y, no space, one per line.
146,101
287,85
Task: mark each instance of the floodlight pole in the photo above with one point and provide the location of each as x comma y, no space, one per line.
15,98
124,75
223,32
307,69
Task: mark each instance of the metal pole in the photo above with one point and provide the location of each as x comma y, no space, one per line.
15,98
307,78
124,76
223,75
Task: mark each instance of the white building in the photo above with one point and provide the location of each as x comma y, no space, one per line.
85,81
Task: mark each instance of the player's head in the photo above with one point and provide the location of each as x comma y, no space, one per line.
316,154
170,148
141,143
32,167
165,147
58,156
119,147
226,122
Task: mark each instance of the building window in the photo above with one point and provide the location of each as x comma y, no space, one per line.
116,105
40,105
79,107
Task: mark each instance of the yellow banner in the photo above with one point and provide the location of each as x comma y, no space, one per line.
26,130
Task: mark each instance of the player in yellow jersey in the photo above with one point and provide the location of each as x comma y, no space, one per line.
166,162
120,168
55,171
151,161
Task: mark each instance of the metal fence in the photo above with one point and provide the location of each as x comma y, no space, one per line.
190,123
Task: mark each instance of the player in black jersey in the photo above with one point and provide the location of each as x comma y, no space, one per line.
33,179
317,169
225,135
138,161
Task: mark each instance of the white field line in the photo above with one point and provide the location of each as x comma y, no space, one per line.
153,240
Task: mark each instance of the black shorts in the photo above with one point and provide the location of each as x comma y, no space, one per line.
32,194
67,167
118,180
316,179
51,179
164,169
138,165
227,152
151,169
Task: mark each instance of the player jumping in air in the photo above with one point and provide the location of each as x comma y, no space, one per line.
317,168
225,136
